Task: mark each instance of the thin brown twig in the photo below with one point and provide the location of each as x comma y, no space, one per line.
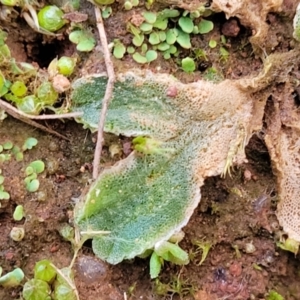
17,114
108,91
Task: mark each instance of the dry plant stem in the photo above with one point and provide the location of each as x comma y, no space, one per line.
17,114
108,91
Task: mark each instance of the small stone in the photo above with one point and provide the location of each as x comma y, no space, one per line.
250,248
247,175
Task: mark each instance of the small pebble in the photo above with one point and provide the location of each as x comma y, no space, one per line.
53,146
250,248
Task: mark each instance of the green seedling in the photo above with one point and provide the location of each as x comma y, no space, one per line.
150,17
45,271
203,247
12,279
273,295
138,40
33,185
7,145
212,44
38,166
29,144
65,66
128,5
154,38
169,252
151,55
289,245
36,289
188,65
130,50
183,39
18,213
84,40
17,234
50,18
205,26
139,58
31,181
186,24
146,27
64,286
224,54
106,12
119,49
18,88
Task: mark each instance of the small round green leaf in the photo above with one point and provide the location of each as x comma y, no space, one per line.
8,145
130,50
154,38
29,143
149,16
205,26
119,49
183,39
212,44
38,166
139,58
50,17
146,27
33,186
188,65
18,88
138,40
151,55
18,213
186,24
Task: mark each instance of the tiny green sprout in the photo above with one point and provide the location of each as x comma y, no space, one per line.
38,166
212,44
29,143
128,5
12,279
273,295
150,17
29,170
66,65
8,145
151,55
205,26
33,185
204,247
44,270
18,88
139,58
68,233
224,54
195,29
146,27
138,40
155,265
223,39
130,50
183,39
36,289
17,234
154,38
188,65
50,17
169,252
106,12
163,46
171,36
18,213
144,48
119,49
186,24
84,40
135,2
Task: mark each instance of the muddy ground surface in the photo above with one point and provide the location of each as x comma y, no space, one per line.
236,215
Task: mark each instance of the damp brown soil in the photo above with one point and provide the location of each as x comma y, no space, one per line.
236,216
